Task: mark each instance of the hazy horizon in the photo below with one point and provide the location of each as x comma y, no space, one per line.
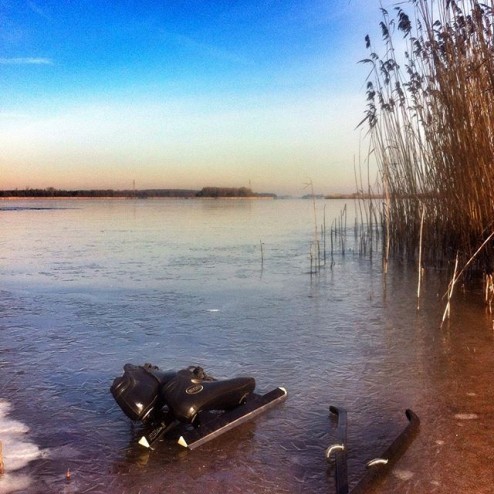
183,95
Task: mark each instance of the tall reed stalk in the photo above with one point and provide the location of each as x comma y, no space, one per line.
430,113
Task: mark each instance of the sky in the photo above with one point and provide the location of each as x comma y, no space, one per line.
98,94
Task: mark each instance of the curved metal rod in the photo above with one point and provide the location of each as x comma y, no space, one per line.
377,461
332,449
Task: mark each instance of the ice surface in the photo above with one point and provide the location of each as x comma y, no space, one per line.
87,288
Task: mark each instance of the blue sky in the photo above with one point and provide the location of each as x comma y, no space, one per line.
182,93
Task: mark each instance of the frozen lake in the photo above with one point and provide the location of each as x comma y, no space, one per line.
87,286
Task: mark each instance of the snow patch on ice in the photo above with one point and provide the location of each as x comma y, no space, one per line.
13,483
466,416
64,452
17,451
403,474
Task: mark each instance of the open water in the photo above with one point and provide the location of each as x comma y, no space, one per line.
87,286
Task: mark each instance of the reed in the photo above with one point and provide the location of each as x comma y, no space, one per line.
489,291
430,116
420,268
451,287
2,466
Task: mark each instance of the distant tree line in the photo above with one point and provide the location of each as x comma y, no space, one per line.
51,192
213,192
230,192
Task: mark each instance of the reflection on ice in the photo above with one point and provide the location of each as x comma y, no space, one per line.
16,451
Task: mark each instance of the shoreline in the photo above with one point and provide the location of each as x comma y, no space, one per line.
126,198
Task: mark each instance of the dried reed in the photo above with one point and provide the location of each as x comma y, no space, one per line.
420,268
430,115
2,466
489,291
447,310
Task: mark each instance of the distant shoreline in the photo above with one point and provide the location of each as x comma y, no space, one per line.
205,192
124,198
336,197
